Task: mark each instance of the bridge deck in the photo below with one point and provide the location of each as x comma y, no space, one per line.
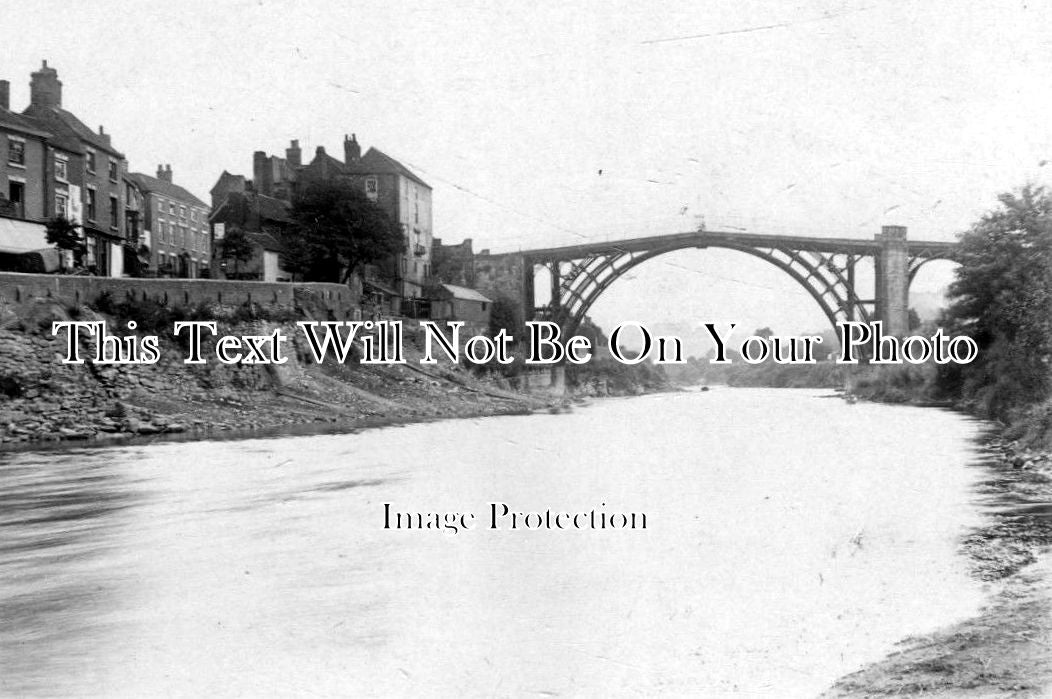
703,239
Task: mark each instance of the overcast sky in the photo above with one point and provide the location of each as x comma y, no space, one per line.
554,122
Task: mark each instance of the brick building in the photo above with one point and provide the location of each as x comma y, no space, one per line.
175,226
264,220
82,174
24,193
395,188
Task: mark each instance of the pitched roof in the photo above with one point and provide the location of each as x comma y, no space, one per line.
224,178
377,162
270,207
166,189
325,160
265,241
462,292
69,131
23,124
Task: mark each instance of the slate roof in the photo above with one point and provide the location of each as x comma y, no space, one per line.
462,292
224,179
69,131
326,159
23,124
270,207
375,162
265,241
165,189
267,208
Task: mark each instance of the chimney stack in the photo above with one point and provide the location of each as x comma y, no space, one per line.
5,95
45,89
352,152
262,178
164,173
293,154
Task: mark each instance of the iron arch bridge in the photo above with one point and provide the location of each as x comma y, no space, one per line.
825,267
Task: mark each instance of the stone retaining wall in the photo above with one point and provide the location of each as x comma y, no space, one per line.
16,288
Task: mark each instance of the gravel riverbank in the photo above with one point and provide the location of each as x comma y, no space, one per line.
1005,651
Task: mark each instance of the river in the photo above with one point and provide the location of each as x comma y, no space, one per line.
790,538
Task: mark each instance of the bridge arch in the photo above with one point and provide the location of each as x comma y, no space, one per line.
577,285
825,267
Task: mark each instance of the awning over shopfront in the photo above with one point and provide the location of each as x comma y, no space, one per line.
21,236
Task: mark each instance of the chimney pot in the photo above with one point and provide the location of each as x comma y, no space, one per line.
5,94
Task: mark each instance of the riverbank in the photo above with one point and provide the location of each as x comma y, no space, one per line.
46,401
1006,650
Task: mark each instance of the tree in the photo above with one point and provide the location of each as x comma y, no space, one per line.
337,228
1002,298
65,235
236,247
504,315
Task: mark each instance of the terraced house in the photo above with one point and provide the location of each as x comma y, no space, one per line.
175,226
24,200
82,173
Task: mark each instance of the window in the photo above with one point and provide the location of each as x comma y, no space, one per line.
182,212
16,151
372,188
171,208
16,194
160,206
61,167
89,161
193,215
90,194
114,170
114,212
61,203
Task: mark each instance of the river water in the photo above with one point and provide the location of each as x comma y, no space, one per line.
790,538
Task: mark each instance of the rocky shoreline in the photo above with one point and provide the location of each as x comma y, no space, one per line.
44,401
1006,650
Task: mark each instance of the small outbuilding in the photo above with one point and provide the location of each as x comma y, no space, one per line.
451,302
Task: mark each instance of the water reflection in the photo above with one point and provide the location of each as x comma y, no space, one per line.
59,521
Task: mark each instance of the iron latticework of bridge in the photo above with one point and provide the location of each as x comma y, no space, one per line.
825,267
